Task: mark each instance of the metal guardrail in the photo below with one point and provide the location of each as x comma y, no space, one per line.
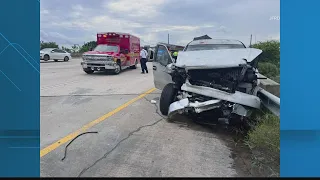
270,101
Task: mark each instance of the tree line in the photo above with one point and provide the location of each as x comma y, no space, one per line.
74,49
269,62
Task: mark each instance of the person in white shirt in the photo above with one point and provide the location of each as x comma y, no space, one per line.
143,60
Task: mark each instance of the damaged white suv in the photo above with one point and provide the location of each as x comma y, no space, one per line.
211,75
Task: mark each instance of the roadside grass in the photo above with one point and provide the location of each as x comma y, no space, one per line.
264,142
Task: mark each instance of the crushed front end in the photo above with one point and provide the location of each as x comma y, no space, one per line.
228,92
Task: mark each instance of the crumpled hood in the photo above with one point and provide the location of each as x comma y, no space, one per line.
223,58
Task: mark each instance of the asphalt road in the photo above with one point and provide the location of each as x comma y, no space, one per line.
132,139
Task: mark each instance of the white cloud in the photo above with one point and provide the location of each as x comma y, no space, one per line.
77,7
96,24
44,11
274,37
153,20
177,28
135,8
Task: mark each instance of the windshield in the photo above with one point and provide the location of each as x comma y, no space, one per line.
106,48
201,47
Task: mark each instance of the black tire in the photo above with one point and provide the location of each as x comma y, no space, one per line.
88,71
66,58
46,57
118,71
168,95
135,65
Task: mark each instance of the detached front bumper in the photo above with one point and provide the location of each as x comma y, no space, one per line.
242,102
237,97
184,105
99,66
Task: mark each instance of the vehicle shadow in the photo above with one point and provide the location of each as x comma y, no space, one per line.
103,73
52,61
216,128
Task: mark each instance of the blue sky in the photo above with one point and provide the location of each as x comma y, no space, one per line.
69,22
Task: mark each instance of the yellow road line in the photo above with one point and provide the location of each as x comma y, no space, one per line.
69,137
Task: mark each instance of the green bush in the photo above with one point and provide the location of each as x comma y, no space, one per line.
276,79
266,134
44,45
86,47
268,69
264,139
271,51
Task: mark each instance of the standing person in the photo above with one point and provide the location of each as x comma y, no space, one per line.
143,60
175,55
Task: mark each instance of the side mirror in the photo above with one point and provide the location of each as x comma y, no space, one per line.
52,51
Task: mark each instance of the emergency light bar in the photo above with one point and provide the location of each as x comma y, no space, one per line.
113,34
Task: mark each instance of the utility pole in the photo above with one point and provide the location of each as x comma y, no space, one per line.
250,40
168,38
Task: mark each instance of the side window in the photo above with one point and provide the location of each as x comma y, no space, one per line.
162,56
60,51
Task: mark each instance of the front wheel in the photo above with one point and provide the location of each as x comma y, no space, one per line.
66,58
118,68
88,71
167,97
46,57
135,65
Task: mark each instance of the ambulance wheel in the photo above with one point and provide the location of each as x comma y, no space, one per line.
118,68
88,71
168,95
135,65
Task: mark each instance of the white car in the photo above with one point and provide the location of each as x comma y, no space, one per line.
54,54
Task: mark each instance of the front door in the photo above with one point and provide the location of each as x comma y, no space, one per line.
161,59
54,54
58,54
